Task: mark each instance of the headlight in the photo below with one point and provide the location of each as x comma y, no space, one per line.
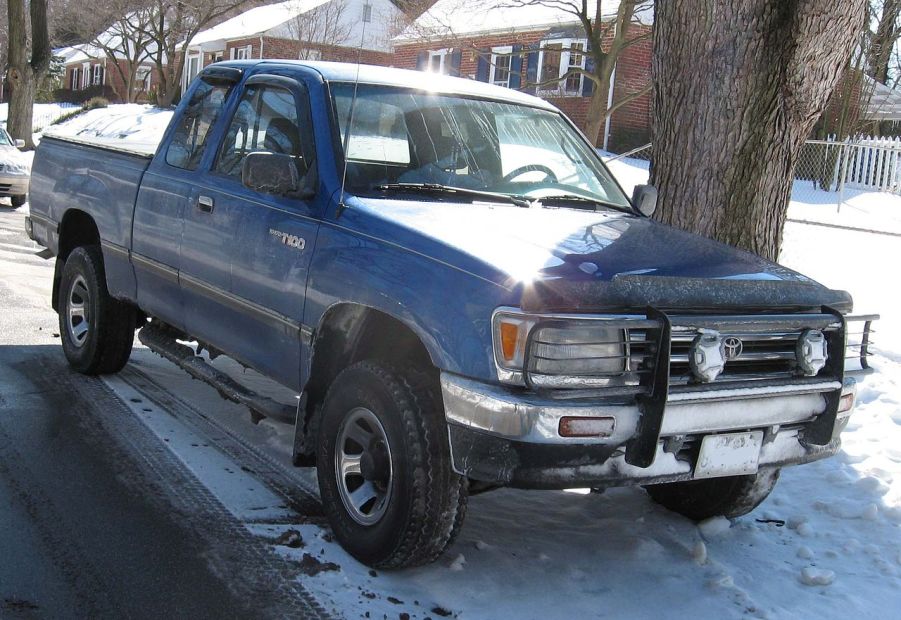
559,353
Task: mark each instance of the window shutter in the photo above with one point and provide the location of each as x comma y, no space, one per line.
588,83
482,68
531,70
422,60
516,67
456,57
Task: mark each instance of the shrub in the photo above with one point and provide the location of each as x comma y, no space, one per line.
95,102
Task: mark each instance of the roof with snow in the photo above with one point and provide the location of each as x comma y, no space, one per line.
456,18
884,103
254,22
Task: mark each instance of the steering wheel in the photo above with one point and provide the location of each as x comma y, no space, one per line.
531,168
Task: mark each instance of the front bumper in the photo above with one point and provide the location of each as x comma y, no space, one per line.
512,437
13,185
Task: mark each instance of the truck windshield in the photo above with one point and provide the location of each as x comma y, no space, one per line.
402,137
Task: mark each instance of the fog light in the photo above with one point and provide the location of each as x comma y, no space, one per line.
586,427
706,357
811,351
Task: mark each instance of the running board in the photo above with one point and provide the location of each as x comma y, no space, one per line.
162,340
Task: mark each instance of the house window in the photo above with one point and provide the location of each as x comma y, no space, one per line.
242,53
142,79
98,75
309,54
85,75
499,72
557,59
192,68
73,82
367,12
438,60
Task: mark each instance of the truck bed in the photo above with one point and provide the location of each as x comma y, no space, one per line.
100,179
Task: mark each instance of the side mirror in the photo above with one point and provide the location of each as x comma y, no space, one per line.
644,197
20,144
275,173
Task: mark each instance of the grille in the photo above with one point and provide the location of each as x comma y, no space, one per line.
764,356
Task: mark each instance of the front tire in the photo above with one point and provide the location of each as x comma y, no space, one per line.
97,331
19,200
384,467
731,496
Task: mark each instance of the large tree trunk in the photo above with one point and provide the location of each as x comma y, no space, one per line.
738,86
597,110
24,71
21,80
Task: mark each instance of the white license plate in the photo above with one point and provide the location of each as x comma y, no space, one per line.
732,454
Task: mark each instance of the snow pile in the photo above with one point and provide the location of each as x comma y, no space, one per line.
129,126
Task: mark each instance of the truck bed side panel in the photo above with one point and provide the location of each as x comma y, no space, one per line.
100,181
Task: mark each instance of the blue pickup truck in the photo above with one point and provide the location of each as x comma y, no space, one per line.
455,286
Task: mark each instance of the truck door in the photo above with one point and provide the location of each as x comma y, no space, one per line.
271,237
167,195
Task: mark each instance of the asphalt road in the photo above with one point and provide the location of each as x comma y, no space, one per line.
97,517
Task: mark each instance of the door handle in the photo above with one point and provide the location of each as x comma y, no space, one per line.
205,204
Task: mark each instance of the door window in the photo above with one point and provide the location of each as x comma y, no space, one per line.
186,147
266,121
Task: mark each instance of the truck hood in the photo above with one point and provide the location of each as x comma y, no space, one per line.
578,259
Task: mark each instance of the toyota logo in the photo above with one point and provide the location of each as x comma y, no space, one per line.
731,348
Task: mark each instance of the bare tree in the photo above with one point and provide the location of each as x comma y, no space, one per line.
126,45
324,25
27,64
884,39
175,22
607,34
738,85
603,55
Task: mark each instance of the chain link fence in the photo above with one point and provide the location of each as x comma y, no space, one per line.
828,172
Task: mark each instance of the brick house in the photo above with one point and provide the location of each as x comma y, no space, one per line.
300,29
532,49
90,72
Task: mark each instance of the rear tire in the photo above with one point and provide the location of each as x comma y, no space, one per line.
19,200
417,502
97,331
731,497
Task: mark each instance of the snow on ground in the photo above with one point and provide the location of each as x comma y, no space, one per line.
826,544
43,115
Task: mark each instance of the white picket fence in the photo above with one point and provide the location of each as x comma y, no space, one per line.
873,163
862,162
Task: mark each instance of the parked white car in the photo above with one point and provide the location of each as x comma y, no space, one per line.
15,170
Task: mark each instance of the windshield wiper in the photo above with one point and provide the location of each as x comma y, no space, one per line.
584,200
437,188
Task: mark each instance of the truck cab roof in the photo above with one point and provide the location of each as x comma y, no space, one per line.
404,78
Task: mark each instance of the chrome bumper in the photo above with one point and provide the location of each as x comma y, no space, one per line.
13,185
513,437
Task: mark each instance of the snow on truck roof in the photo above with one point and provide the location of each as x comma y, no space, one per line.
456,18
404,78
